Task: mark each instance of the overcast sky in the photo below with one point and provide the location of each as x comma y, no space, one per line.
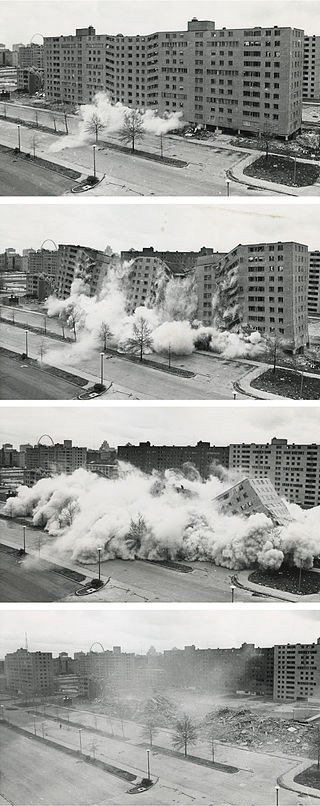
161,425
165,226
137,630
22,19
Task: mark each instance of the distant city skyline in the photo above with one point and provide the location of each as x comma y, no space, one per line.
21,19
176,425
177,227
135,630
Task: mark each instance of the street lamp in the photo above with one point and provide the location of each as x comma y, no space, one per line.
228,186
34,726
19,138
42,726
148,765
26,350
99,563
94,160
232,588
277,790
101,368
24,538
80,741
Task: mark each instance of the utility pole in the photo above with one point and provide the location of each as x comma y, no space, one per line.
148,765
19,139
24,538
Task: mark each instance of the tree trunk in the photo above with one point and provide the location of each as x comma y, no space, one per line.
133,139
66,123
186,749
141,352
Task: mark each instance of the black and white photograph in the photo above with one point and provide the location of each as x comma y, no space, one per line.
168,302
160,504
159,403
159,98
159,707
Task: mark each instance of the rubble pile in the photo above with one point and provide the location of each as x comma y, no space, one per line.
248,728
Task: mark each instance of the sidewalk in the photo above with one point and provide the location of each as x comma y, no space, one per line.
236,173
286,781
243,579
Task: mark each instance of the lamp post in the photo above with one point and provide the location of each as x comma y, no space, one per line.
42,727
228,186
34,726
24,538
26,350
161,146
19,138
301,384
169,355
277,790
99,563
94,161
294,170
80,741
232,588
148,765
101,368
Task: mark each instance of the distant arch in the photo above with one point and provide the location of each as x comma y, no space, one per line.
43,436
49,240
33,36
97,643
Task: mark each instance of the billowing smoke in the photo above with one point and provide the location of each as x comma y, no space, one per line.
170,323
160,517
104,117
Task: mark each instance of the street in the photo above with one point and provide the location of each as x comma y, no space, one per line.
129,579
29,581
213,379
20,381
125,174
252,785
21,178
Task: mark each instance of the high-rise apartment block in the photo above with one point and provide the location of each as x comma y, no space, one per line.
311,68
80,262
29,673
293,469
297,671
314,284
149,457
42,269
265,287
247,80
251,496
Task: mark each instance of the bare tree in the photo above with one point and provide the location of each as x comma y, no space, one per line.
141,339
35,142
150,729
105,334
266,135
36,118
185,734
94,125
42,351
54,121
132,130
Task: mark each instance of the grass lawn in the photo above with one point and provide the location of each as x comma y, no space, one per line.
288,384
276,168
287,579
309,777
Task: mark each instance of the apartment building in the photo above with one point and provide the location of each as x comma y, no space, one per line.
29,673
58,458
246,668
294,470
42,270
205,277
265,287
30,56
243,79
80,262
311,68
150,270
149,457
110,667
314,284
297,671
250,496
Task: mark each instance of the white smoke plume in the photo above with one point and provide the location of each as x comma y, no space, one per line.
169,516
110,118
171,320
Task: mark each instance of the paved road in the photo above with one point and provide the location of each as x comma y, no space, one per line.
126,174
33,774
213,379
21,178
28,581
20,381
252,785
206,583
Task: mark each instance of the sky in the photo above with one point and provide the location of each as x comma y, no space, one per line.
137,630
165,226
21,19
120,424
